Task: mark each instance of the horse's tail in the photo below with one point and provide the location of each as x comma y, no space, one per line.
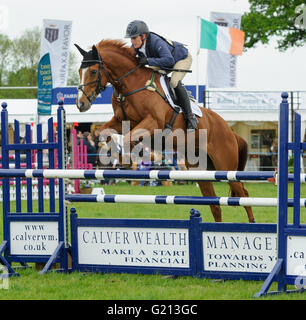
242,158
242,152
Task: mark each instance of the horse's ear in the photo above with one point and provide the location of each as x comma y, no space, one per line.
82,51
94,50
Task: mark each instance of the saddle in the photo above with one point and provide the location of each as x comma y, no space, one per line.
172,93
171,89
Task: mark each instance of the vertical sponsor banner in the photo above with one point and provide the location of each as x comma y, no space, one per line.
56,35
44,79
221,67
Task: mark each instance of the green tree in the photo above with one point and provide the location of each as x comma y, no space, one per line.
26,53
280,18
5,56
73,74
23,78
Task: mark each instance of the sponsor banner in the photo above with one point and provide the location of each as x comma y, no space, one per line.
296,256
221,67
33,238
138,247
239,251
223,100
70,94
56,35
44,79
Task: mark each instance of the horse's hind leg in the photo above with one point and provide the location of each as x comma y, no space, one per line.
238,190
207,190
230,162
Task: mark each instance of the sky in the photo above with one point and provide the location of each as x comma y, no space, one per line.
261,68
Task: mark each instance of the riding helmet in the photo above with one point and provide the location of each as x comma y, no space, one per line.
136,28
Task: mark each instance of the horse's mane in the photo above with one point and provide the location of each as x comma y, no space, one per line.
118,46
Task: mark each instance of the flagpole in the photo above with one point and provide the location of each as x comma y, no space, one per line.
206,78
197,58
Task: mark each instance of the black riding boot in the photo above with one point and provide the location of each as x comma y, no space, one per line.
184,102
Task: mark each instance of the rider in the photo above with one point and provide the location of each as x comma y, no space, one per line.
154,50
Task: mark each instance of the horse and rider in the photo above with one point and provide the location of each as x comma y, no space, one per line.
139,97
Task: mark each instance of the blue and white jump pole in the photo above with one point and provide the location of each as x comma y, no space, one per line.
189,175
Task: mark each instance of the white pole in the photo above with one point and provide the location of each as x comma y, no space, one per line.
206,75
197,57
153,199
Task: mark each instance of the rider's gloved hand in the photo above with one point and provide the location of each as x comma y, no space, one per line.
143,61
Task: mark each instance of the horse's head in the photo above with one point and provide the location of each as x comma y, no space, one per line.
92,78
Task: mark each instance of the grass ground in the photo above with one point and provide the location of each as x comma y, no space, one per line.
79,286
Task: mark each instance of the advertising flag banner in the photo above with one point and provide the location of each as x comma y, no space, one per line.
55,40
44,79
221,66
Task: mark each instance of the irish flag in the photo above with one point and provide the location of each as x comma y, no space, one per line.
214,37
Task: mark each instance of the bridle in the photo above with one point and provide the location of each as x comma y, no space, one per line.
99,87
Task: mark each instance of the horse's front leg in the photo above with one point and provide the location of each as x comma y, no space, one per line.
112,126
108,142
137,139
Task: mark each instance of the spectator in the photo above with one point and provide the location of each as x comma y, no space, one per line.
22,152
91,149
45,153
79,136
115,152
96,135
274,151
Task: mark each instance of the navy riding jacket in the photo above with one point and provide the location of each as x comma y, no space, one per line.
162,54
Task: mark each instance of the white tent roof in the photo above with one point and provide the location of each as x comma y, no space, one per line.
25,111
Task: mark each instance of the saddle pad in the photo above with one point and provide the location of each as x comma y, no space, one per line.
194,107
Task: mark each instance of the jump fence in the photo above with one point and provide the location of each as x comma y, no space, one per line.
270,252
20,244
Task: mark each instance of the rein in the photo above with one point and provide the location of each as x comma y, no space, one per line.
150,85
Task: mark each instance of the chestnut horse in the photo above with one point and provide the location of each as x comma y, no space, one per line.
111,61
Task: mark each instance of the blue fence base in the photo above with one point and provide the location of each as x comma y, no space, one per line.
10,271
276,275
173,247
285,270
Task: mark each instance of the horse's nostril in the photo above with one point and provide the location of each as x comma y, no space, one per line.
81,105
